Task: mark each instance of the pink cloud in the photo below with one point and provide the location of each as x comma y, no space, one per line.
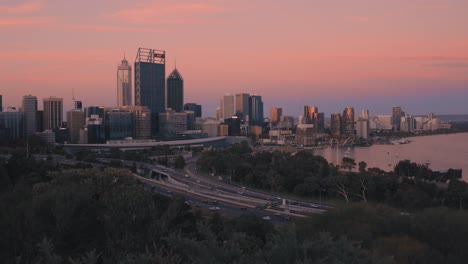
358,18
24,21
102,28
61,55
25,8
165,13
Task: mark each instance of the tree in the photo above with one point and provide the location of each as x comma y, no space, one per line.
348,163
179,162
362,166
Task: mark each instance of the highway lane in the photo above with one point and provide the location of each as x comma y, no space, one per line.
191,181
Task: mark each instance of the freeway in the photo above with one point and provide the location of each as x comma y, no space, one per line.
192,185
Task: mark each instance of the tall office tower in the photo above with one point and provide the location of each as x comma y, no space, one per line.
150,82
1,103
335,124
228,106
310,114
196,108
124,83
275,114
255,110
347,119
320,124
75,122
53,113
242,106
365,114
141,121
29,108
397,113
362,128
175,91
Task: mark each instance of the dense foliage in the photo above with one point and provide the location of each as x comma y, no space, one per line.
409,186
106,216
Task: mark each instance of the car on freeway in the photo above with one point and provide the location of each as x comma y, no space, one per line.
214,208
268,218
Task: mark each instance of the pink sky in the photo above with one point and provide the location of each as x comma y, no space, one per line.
329,53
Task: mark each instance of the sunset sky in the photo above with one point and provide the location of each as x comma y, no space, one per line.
370,54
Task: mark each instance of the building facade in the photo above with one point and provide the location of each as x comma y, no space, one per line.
53,113
150,83
242,106
75,123
347,119
124,84
255,110
275,114
172,123
335,124
196,108
227,106
175,91
29,108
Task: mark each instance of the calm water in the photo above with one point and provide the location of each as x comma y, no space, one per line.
442,151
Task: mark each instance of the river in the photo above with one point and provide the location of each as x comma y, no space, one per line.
442,151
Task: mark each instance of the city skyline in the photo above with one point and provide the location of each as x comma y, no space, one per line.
362,54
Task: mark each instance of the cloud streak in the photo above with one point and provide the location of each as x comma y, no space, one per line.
167,13
105,28
24,21
25,8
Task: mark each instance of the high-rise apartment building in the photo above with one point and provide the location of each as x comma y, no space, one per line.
335,124
29,108
397,113
310,114
242,106
348,127
124,83
53,113
175,91
228,106
196,108
365,114
255,110
150,82
275,114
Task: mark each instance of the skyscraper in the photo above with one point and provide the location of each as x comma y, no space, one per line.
124,84
75,122
275,114
397,113
228,106
196,108
29,108
150,81
335,124
175,91
347,119
365,114
53,113
242,105
310,114
255,110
